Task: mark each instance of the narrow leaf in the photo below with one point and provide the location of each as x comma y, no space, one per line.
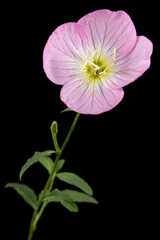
60,165
58,196
71,206
47,162
36,158
26,192
73,179
66,110
79,196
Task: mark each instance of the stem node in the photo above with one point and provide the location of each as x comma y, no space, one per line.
49,184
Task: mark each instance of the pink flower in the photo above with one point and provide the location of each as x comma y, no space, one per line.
94,58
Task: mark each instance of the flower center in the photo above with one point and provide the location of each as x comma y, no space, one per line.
96,66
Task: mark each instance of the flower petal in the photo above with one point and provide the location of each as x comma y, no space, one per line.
134,65
63,52
110,30
90,99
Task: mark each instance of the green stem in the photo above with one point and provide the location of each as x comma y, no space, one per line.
41,203
70,132
31,229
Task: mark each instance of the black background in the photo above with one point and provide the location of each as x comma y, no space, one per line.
114,151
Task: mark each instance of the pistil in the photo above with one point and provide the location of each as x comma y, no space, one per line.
95,66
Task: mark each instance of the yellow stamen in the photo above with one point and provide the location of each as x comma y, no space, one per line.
90,63
114,54
93,64
90,52
111,64
98,51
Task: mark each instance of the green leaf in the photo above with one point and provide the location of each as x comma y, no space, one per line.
79,196
71,206
75,180
58,196
66,110
36,158
26,192
60,165
47,162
